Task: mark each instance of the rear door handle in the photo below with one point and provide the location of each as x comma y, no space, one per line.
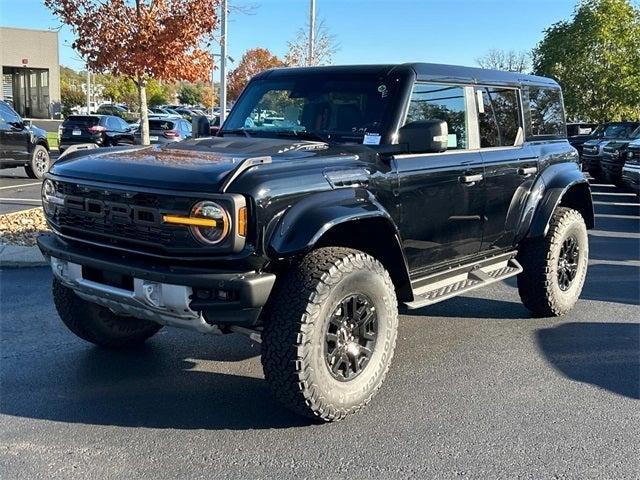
471,178
527,170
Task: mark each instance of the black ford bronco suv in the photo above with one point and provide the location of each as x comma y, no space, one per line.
369,186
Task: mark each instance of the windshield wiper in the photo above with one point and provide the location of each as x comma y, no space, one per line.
302,134
237,131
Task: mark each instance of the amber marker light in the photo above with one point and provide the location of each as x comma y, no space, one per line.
242,222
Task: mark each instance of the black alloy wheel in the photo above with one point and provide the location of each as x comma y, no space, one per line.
568,262
351,337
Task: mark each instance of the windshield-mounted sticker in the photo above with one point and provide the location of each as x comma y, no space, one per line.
383,90
371,139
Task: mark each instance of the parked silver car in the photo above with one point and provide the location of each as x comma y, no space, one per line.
166,130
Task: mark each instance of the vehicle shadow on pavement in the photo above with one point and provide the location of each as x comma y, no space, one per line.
606,355
472,307
148,388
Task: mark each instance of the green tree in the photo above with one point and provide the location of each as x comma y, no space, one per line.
71,97
595,56
190,94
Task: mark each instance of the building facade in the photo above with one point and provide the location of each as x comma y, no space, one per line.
30,71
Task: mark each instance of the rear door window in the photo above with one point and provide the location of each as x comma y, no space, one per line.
441,102
546,113
499,117
122,125
113,124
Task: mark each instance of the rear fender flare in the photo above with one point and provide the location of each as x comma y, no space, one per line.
558,184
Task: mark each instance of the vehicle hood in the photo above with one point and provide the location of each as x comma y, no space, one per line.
635,144
199,164
617,144
596,141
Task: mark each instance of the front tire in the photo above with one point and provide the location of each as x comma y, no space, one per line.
555,267
330,333
39,164
97,324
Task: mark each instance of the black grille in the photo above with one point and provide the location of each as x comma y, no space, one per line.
145,234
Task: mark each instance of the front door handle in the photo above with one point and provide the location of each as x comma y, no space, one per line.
471,178
524,171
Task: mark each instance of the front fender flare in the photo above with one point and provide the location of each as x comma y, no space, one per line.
303,224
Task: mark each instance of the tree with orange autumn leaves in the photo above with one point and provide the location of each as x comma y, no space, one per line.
253,61
142,39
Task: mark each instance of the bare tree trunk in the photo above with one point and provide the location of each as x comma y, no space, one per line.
144,114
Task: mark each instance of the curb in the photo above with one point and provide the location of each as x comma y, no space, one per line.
14,256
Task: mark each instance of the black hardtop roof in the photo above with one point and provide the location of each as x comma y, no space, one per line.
427,72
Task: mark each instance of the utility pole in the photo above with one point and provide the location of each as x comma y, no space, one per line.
312,31
223,61
88,90
213,83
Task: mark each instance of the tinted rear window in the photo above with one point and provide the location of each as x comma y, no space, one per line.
161,125
81,121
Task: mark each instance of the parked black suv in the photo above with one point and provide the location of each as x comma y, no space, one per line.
631,168
592,150
22,144
376,185
614,155
103,130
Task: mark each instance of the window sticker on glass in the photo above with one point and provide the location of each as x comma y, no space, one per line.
452,141
371,139
383,90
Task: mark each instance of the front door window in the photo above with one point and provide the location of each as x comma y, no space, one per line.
430,101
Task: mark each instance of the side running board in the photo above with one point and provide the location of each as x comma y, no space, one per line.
443,285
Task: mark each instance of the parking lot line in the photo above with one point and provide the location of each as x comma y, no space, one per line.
21,200
22,185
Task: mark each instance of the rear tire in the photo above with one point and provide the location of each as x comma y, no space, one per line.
39,164
554,267
97,324
330,333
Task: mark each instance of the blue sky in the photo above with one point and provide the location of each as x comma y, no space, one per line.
368,31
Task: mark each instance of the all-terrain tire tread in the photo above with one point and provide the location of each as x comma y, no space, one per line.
292,312
535,283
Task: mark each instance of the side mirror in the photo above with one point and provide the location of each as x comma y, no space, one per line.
425,136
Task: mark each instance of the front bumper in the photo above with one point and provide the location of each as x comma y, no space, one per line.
611,168
193,298
591,163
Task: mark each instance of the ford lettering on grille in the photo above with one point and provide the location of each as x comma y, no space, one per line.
113,211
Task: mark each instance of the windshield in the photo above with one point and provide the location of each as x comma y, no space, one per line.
618,131
635,134
336,108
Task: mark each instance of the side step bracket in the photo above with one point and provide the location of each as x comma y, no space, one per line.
443,285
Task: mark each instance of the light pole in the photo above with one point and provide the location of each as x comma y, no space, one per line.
88,90
312,31
223,61
213,84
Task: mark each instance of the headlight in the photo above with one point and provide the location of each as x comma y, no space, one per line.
209,222
214,233
50,196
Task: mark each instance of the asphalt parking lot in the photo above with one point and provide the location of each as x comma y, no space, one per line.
477,389
17,191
